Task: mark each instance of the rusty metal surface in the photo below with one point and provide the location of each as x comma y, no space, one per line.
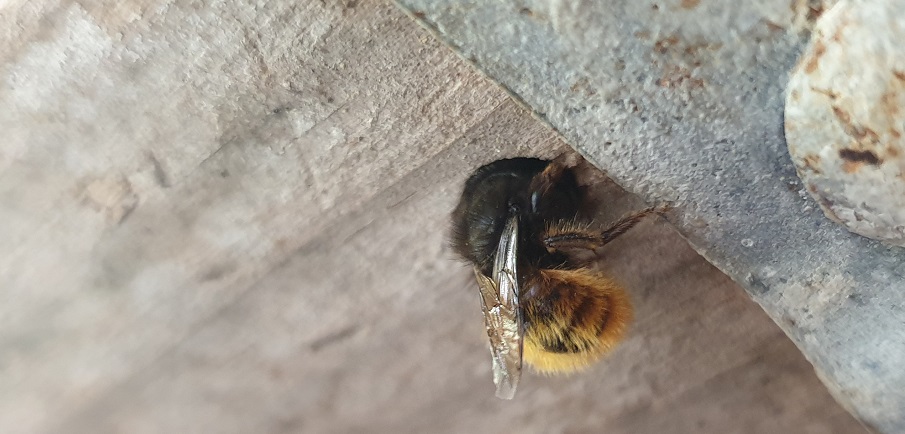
845,116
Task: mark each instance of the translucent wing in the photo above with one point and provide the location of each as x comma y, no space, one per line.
502,314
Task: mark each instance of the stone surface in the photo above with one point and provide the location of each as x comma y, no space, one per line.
845,116
682,102
230,217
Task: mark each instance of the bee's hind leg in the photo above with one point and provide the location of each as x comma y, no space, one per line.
565,238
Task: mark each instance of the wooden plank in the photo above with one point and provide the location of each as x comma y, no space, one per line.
161,174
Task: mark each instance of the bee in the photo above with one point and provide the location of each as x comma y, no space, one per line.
521,223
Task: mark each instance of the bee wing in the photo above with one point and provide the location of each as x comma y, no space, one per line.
502,313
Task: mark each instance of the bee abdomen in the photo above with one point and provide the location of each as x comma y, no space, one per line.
574,318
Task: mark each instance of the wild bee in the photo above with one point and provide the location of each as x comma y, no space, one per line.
520,223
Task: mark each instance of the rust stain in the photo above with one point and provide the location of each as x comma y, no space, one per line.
680,60
677,76
832,95
811,162
643,34
864,136
872,136
843,116
857,158
899,74
694,49
850,167
893,151
807,10
664,44
819,49
815,10
689,53
895,133
690,4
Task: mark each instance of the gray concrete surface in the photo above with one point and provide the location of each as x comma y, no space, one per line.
230,217
682,102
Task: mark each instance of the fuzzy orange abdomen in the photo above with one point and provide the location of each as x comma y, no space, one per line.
573,317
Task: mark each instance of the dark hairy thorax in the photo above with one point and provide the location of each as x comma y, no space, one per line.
506,187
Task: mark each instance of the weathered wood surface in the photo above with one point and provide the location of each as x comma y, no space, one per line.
229,217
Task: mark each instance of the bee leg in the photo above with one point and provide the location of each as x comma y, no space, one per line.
590,239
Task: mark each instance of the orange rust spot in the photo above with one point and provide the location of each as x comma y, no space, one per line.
811,162
872,136
864,136
693,49
819,49
893,151
689,4
899,74
827,92
663,44
677,76
895,133
810,9
642,34
843,117
849,167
